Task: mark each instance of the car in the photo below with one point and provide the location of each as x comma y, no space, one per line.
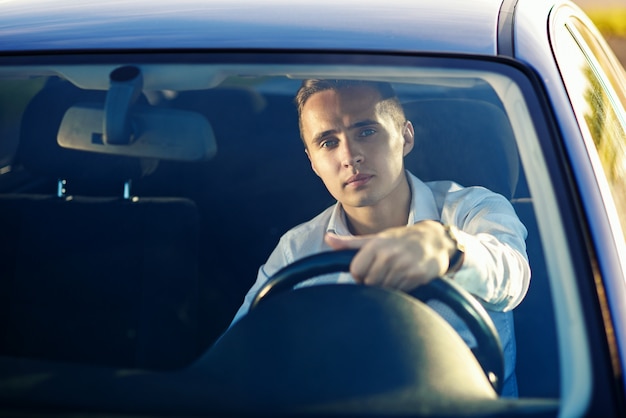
150,161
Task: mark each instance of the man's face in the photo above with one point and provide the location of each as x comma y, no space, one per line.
354,146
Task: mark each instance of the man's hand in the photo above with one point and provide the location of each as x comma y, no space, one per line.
400,258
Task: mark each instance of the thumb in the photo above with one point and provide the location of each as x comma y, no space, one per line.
338,242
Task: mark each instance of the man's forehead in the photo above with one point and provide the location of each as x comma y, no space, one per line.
351,93
345,102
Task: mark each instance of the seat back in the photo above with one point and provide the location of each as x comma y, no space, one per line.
98,279
464,140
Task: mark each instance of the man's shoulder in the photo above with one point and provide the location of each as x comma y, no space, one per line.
449,195
443,186
449,189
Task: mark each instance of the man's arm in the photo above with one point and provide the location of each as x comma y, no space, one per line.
495,266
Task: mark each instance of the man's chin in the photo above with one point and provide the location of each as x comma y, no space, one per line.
360,202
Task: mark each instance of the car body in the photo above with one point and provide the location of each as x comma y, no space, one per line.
150,160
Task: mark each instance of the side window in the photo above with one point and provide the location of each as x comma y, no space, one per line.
14,95
595,82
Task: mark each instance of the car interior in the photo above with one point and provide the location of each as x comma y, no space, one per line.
138,262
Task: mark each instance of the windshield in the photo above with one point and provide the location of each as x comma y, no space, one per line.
139,198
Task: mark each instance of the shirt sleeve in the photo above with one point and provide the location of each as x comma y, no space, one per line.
496,266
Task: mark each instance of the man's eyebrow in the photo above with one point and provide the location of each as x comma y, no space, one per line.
362,123
317,138
366,122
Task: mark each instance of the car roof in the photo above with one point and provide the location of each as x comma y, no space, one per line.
393,25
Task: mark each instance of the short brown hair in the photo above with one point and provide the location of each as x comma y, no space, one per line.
388,96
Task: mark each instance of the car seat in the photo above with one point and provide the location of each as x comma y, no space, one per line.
90,273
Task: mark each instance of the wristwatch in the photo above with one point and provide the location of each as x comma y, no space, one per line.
457,258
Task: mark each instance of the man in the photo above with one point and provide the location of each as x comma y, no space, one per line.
356,137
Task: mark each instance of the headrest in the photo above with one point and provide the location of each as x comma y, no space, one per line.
40,153
468,141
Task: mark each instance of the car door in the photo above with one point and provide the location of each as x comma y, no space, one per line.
596,84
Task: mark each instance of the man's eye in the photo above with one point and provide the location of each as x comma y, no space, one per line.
329,143
367,132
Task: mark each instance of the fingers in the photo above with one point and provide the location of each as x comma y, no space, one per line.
360,265
385,262
398,258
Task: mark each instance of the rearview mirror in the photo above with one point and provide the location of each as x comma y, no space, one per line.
166,134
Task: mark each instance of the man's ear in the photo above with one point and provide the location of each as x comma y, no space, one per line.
311,161
408,133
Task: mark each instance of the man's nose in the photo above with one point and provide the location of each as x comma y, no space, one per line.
352,154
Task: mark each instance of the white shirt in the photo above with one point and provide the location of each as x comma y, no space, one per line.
495,267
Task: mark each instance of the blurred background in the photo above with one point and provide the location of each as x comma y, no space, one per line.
610,18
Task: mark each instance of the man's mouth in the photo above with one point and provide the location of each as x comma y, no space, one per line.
358,180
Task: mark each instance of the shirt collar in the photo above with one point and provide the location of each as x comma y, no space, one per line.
423,206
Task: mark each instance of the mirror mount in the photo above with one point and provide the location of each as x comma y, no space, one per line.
126,84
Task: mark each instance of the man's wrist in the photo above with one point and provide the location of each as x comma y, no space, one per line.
457,256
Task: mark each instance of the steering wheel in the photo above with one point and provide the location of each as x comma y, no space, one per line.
488,350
